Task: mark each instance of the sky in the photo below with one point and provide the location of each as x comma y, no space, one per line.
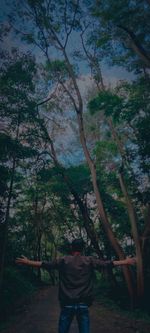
111,74
85,82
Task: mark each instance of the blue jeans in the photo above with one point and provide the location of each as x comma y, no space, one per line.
67,314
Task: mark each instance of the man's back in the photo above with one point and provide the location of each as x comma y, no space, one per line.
76,277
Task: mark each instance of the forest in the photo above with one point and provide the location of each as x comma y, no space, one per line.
74,141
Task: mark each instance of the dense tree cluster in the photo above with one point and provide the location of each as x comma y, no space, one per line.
103,196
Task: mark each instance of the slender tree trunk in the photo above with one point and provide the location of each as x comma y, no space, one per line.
52,272
132,214
102,213
38,233
146,232
133,220
39,254
6,223
88,223
107,227
146,250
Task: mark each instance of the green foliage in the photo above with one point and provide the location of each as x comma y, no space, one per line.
17,87
56,70
9,146
80,179
19,113
126,112
106,101
17,287
4,171
105,149
129,109
42,206
120,25
136,115
50,21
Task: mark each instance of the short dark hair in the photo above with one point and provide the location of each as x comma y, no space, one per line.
77,244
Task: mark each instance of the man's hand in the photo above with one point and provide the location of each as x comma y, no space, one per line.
22,260
25,261
127,261
131,261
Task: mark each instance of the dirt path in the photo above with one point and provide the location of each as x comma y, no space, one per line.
41,316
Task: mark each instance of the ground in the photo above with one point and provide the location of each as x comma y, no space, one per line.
41,316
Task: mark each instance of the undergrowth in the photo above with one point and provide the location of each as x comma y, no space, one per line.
117,299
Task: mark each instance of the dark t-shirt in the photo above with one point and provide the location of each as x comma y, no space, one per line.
76,277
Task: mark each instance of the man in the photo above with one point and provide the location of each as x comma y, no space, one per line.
75,283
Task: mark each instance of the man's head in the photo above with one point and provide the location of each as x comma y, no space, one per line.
77,245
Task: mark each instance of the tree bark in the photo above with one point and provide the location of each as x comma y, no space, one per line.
6,223
131,213
107,227
39,253
133,220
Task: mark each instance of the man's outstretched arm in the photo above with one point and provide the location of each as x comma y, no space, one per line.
127,261
48,265
98,263
25,261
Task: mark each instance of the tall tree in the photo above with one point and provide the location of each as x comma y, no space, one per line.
18,111
53,30
107,102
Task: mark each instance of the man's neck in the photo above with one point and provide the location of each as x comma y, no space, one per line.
76,253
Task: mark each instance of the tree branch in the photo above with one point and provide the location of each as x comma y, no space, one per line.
136,46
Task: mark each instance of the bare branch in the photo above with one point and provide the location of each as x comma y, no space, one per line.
65,17
93,63
49,98
73,78
72,24
52,120
70,96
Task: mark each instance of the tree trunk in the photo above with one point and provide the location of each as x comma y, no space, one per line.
39,254
102,213
146,232
136,46
132,214
133,220
146,252
6,223
107,227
